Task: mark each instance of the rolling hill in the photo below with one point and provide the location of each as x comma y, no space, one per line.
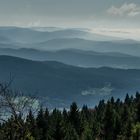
132,48
56,39
77,57
34,35
61,84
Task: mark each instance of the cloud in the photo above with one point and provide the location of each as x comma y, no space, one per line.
104,91
130,10
124,33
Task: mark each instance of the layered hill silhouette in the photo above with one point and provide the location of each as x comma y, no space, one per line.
65,65
77,57
14,37
65,83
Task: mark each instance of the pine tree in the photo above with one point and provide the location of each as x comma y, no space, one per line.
69,132
56,124
138,112
136,131
74,117
40,121
30,123
109,122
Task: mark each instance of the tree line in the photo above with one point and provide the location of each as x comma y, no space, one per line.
110,120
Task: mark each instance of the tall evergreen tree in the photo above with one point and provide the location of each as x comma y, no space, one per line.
74,117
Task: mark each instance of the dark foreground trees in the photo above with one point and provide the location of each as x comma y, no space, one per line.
111,120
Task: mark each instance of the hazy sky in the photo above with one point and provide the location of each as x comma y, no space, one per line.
71,13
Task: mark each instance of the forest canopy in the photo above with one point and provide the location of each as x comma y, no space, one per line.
111,120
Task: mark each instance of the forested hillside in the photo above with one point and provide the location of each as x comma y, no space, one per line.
111,120
60,84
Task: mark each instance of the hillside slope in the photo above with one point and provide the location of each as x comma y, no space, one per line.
77,57
62,82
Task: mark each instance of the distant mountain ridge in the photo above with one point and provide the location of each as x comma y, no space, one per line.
62,83
15,37
77,57
30,35
62,65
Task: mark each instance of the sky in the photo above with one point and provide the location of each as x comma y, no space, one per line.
71,13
